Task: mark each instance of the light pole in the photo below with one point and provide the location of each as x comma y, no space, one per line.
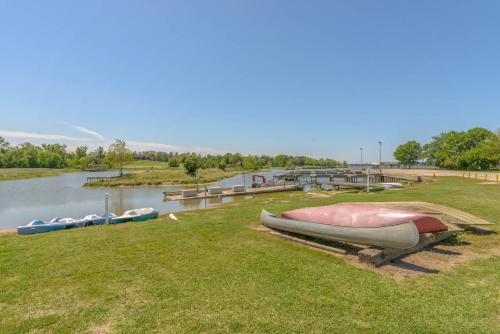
380,155
361,149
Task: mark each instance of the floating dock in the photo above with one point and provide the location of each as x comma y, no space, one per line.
176,196
346,176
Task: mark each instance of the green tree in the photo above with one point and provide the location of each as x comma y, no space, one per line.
250,163
191,165
173,162
222,165
450,149
4,145
280,160
85,162
119,154
81,151
98,155
408,153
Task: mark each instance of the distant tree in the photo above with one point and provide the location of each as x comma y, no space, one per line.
98,155
85,162
222,165
408,153
173,162
450,149
191,165
479,157
119,155
280,160
250,163
4,145
81,151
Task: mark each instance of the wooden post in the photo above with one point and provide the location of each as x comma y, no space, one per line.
377,256
497,177
475,175
367,180
486,177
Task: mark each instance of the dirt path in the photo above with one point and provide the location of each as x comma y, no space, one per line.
484,176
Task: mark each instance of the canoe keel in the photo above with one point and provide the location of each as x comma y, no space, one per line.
401,236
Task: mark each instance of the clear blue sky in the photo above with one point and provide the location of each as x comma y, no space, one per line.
320,78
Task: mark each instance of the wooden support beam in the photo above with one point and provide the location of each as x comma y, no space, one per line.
376,256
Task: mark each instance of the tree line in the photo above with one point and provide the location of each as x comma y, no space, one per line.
233,160
474,149
27,155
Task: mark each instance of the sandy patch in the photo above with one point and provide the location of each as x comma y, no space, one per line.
105,327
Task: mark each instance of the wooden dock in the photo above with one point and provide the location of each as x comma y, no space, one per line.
177,196
346,176
350,185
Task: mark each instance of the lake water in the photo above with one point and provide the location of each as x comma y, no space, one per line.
63,196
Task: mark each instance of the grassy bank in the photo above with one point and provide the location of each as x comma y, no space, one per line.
210,272
9,174
138,175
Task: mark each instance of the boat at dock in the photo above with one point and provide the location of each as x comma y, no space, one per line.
136,215
360,224
58,223
40,226
94,219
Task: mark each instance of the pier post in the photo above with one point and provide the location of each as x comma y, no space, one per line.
106,208
367,180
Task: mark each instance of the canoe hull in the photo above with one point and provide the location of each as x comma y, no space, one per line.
23,230
120,220
138,216
399,236
152,215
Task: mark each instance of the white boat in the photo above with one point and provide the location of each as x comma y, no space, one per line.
391,185
39,226
94,219
136,215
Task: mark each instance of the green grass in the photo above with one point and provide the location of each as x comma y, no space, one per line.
147,164
210,272
139,175
8,174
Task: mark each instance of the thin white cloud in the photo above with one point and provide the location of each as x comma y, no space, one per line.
149,146
18,137
35,135
88,131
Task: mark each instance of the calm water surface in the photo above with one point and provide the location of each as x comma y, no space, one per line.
63,196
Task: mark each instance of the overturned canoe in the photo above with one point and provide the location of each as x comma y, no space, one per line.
362,224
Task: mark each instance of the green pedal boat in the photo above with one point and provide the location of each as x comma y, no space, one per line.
136,215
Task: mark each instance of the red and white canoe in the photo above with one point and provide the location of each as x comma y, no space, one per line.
363,224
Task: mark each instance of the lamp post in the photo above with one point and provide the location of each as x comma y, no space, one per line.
361,149
380,155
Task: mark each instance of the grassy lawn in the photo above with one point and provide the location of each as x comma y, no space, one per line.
147,164
210,272
7,174
144,173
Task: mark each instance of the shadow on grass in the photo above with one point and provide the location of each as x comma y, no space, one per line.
413,267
